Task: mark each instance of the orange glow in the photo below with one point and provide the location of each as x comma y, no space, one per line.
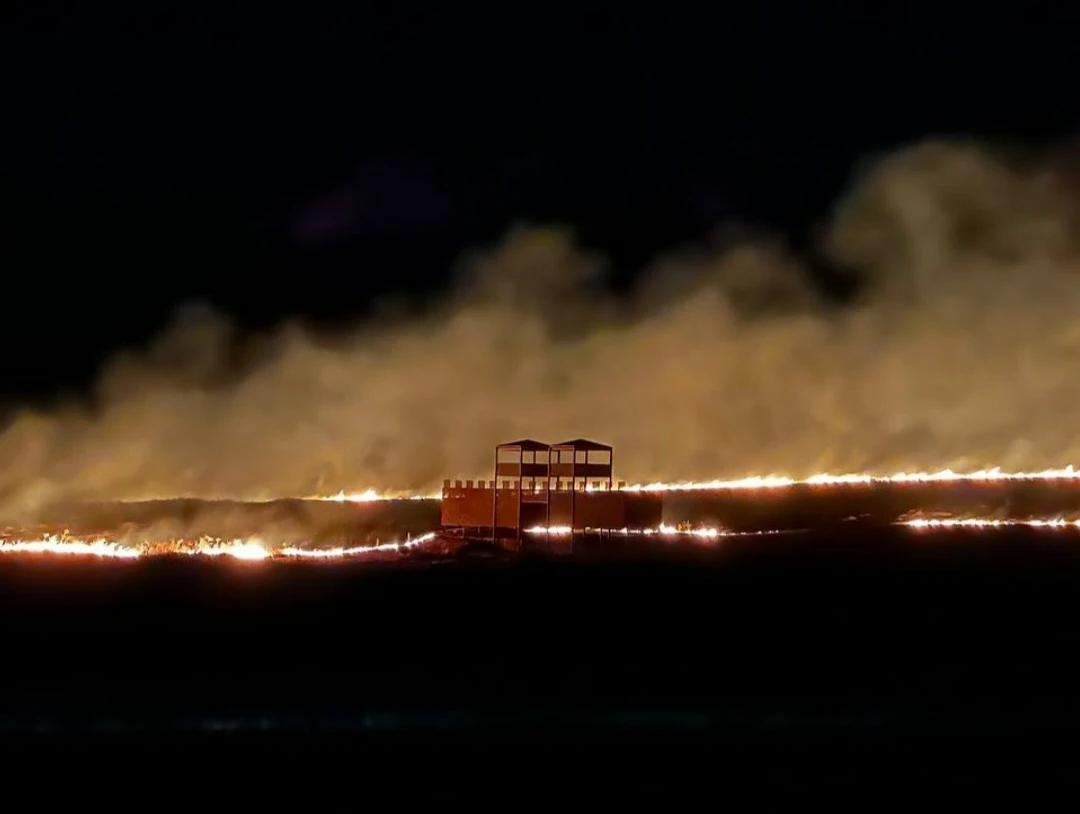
990,523
773,482
704,532
249,549
254,549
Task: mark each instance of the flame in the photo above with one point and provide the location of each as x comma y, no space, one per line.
372,496
248,549
861,479
254,549
713,533
995,474
991,523
704,532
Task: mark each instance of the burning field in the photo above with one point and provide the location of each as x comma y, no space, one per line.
292,529
368,525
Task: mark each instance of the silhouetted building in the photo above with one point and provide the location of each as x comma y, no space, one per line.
565,486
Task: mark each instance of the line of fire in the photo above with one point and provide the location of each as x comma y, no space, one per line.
568,485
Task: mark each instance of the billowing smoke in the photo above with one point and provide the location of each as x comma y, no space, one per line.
962,349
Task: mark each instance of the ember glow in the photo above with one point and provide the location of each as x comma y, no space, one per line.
713,533
860,479
705,533
254,549
752,482
249,549
990,523
372,496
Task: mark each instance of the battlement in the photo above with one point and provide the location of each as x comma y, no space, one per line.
556,485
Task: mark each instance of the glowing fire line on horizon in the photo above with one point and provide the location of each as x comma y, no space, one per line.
989,523
1068,473
255,550
706,532
715,533
247,549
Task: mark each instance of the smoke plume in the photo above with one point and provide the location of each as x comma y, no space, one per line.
962,349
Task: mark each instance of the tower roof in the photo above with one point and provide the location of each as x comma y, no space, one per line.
584,444
526,445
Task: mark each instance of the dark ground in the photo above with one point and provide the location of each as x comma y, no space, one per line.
869,670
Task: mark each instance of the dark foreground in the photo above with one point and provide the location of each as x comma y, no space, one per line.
877,670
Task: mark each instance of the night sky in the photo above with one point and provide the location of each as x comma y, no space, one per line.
296,162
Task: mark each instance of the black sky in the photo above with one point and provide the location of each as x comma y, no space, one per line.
279,159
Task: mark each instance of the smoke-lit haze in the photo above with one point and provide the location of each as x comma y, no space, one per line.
962,350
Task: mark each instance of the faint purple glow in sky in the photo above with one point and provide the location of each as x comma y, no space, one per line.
385,198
